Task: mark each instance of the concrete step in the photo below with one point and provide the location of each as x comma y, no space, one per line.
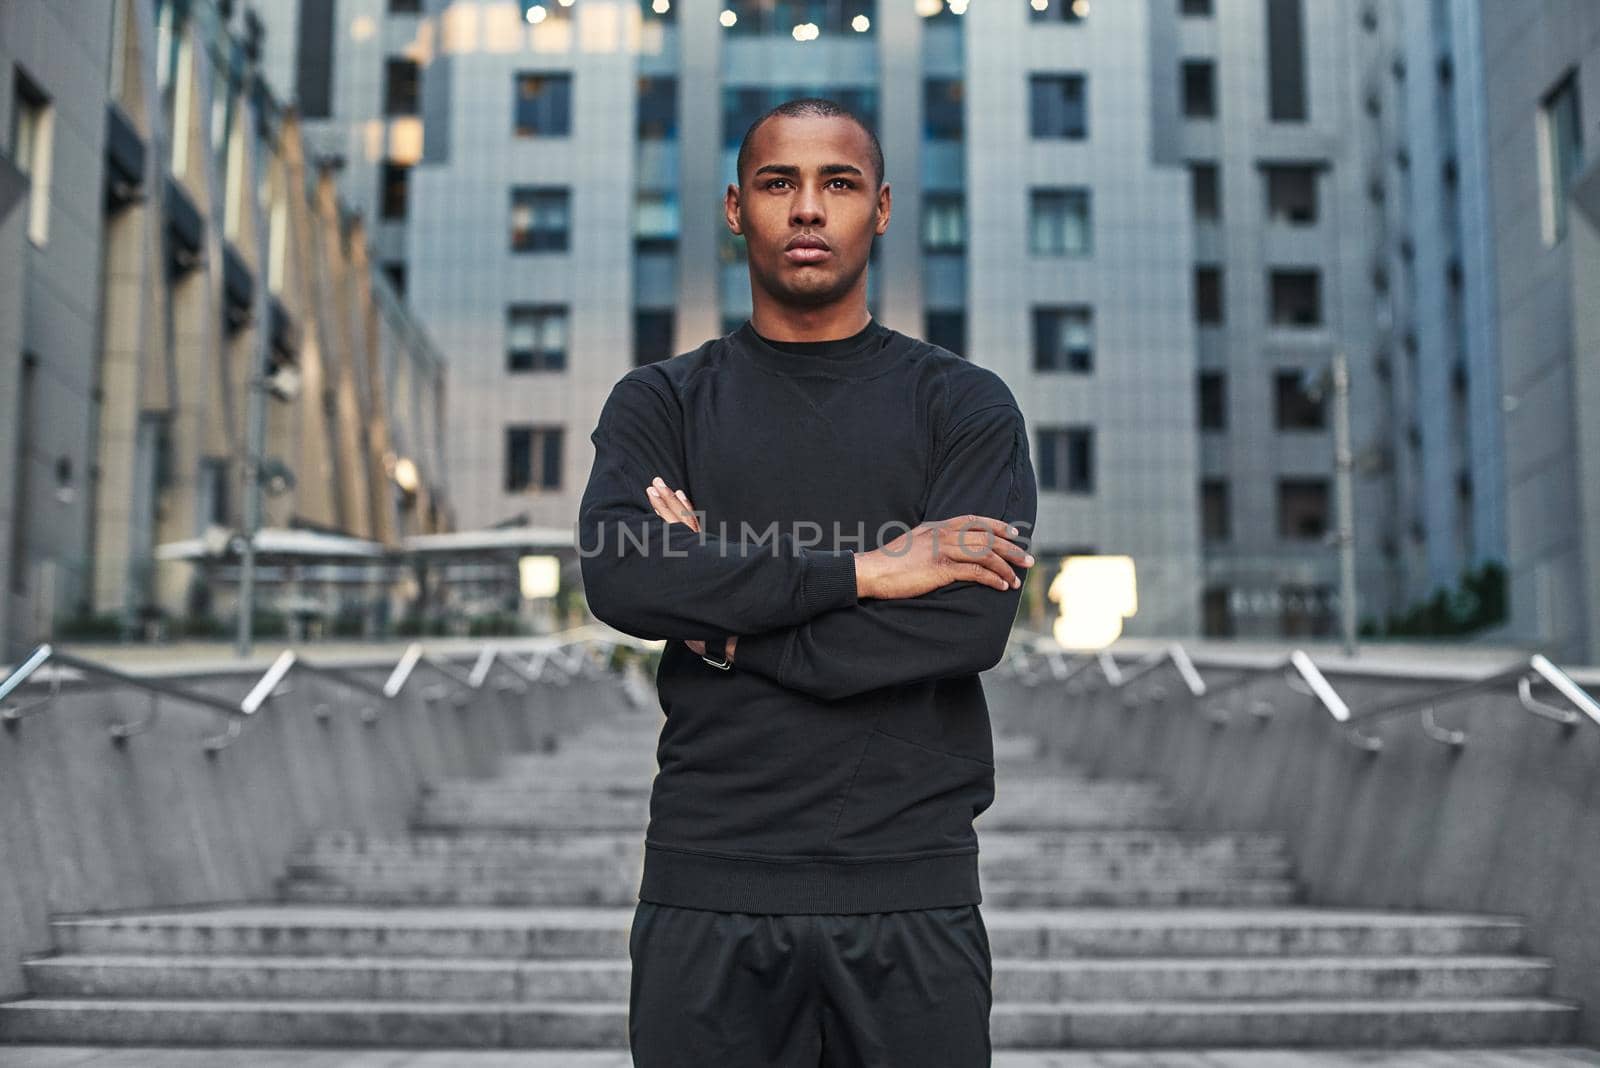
475,979
1069,845
577,889
603,1024
1287,1022
382,1024
290,930
477,867
613,814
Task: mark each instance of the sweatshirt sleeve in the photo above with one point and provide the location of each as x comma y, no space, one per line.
959,629
658,580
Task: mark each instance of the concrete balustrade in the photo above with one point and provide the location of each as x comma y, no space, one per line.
1506,823
89,824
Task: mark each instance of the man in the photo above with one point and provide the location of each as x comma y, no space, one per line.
810,891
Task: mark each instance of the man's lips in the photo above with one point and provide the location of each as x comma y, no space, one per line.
806,254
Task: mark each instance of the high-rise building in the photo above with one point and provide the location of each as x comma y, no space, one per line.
1541,73
1159,221
168,259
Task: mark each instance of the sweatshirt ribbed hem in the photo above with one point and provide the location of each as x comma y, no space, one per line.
830,580
725,884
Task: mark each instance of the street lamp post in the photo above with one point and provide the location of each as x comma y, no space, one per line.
1344,465
1335,378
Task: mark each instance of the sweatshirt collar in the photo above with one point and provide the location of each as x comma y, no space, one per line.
879,347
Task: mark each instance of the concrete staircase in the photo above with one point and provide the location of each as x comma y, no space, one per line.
502,919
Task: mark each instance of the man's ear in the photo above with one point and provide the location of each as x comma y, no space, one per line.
730,207
884,206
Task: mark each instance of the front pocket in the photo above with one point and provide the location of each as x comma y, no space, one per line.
908,798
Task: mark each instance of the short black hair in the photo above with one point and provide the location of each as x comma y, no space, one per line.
810,107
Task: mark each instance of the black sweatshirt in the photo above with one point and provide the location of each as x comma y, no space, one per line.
837,766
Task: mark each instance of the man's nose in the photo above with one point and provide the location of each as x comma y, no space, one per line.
807,207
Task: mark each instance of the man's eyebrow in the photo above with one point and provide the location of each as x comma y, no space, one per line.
789,170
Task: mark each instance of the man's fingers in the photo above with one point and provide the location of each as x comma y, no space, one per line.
670,506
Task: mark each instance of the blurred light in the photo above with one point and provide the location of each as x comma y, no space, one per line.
727,18
1039,5
1080,8
958,7
362,27
565,3
540,576
535,13
1095,594
660,7
806,31
860,24
929,8
405,140
405,474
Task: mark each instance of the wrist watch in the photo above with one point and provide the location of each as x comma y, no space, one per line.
719,643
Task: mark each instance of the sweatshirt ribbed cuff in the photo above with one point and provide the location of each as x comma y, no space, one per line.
830,581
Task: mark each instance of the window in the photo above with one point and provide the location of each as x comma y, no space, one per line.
544,104
395,271
1286,62
1560,153
1061,11
1059,222
1058,106
1302,508
742,105
780,17
536,338
1205,194
405,7
652,335
1296,298
539,219
396,196
1213,390
1208,294
947,329
533,458
1296,408
1066,459
1199,89
658,108
655,221
1305,611
1291,193
1063,338
315,38
402,80
1195,8
942,115
943,222
1216,611
1215,525
32,135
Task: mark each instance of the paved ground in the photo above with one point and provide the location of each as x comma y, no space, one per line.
90,1057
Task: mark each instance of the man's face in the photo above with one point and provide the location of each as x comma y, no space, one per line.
809,180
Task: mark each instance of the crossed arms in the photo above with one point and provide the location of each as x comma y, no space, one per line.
831,624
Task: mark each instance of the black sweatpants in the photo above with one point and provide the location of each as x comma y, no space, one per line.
906,989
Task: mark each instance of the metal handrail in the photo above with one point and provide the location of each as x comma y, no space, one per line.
1301,674
49,654
269,685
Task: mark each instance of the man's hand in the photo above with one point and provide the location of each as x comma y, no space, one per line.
971,548
673,506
